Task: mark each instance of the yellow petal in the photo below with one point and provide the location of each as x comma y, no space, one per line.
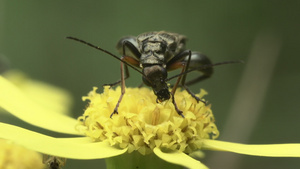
73,148
269,150
49,96
179,158
16,103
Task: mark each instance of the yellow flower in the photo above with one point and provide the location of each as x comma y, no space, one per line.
15,156
143,125
143,133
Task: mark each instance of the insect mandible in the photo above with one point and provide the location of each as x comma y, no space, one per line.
157,53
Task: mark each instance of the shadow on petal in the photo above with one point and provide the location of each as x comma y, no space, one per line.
179,158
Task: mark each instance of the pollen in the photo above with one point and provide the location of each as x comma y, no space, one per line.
142,124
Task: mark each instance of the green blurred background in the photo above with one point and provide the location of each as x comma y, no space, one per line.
32,37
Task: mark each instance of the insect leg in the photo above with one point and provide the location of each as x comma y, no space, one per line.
128,59
126,48
180,64
119,81
175,87
173,93
198,60
122,91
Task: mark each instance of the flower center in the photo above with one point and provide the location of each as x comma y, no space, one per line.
142,124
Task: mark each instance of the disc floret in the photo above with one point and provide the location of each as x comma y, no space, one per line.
142,124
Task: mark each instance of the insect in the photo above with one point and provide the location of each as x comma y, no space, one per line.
53,162
157,53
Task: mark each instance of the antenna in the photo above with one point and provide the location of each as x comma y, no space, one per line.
105,51
205,67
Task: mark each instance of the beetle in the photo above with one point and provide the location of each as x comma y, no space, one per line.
157,53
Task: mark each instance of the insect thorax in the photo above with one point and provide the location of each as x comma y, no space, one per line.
159,47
